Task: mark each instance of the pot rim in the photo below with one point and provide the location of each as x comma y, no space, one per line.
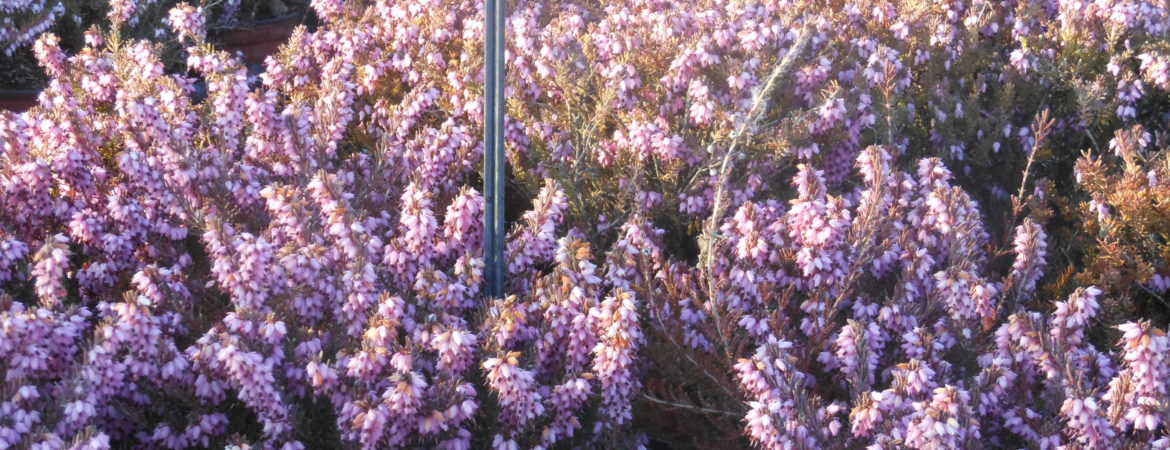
5,92
247,26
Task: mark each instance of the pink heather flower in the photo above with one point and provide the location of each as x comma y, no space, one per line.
1099,207
966,296
329,9
915,379
1129,91
100,441
1128,144
570,296
516,393
230,10
619,338
1140,393
38,342
566,401
772,385
52,262
49,54
647,140
1071,318
946,421
745,231
511,322
187,21
122,11
867,416
1155,69
1022,60
1087,421
11,251
455,349
93,38
1159,283
859,349
1031,247
198,433
462,224
254,379
535,242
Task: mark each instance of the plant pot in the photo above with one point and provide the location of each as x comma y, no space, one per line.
259,41
18,100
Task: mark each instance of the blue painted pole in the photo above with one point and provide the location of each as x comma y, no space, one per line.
494,160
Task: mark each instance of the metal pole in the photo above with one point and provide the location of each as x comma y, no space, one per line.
494,161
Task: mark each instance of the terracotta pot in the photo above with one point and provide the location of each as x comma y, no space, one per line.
18,100
259,41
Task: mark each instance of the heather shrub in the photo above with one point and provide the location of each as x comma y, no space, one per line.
880,323
785,222
320,286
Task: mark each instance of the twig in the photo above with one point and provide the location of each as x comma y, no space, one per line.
699,409
1039,132
1155,295
759,102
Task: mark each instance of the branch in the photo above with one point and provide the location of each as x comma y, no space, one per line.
698,409
749,124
